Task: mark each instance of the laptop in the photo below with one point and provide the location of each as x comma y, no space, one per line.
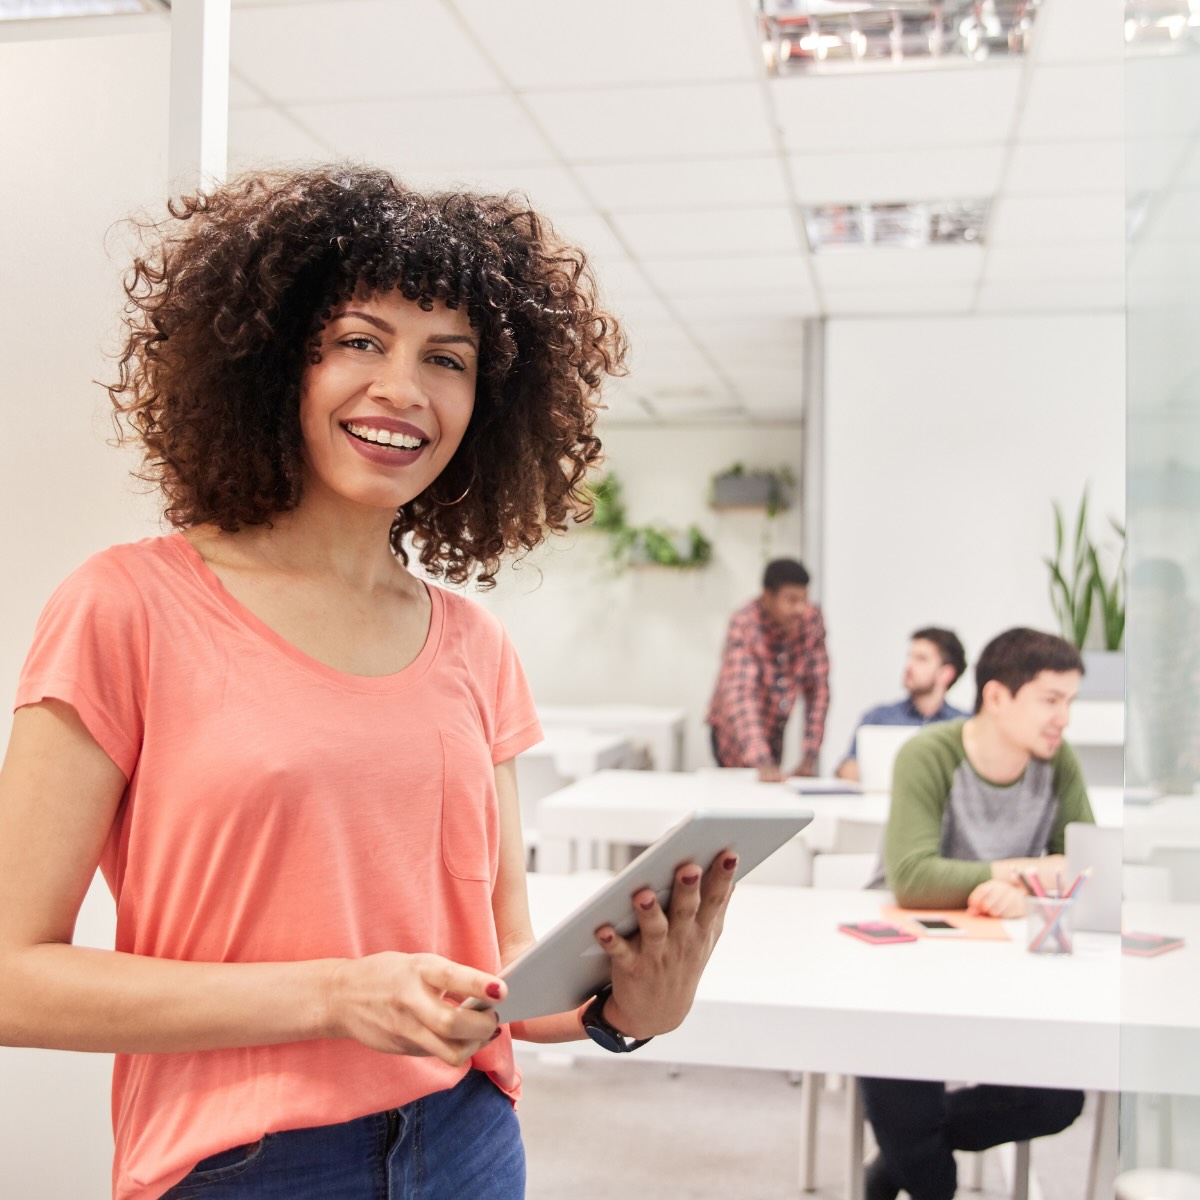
877,748
1097,903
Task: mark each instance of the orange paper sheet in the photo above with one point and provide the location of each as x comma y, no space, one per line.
980,929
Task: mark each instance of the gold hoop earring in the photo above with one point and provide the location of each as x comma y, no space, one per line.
449,503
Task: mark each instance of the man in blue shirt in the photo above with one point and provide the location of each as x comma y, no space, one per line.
935,661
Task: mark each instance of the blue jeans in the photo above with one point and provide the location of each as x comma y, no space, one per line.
454,1144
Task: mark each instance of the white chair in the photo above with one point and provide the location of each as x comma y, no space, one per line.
843,870
791,865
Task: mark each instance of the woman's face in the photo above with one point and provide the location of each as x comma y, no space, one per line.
385,409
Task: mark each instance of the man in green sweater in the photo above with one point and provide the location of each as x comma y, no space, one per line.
974,802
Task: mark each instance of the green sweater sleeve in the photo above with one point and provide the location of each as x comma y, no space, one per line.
917,874
1073,803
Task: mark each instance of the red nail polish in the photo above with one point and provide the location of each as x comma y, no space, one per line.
493,990
691,878
730,862
606,936
647,904
495,1034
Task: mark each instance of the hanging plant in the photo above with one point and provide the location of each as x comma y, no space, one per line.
643,545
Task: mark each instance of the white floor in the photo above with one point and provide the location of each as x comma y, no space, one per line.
602,1129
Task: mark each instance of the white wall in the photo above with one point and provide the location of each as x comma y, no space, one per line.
945,442
650,635
82,143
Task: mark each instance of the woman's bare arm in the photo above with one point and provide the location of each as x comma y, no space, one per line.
59,795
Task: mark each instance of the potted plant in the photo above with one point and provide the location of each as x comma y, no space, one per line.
1082,590
643,545
758,487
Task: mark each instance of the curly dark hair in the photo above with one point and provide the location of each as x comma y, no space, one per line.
226,303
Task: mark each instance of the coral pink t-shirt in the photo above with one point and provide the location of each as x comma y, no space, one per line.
279,810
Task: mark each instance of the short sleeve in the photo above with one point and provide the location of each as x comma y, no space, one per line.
516,722
90,650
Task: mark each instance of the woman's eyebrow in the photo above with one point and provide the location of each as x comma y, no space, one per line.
449,339
378,322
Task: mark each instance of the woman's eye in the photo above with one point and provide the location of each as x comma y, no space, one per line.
444,360
359,342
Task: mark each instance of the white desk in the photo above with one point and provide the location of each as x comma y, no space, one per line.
785,991
636,807
579,752
658,730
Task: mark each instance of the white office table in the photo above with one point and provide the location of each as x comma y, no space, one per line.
786,991
579,752
659,730
636,807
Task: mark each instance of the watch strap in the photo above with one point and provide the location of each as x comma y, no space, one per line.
602,1032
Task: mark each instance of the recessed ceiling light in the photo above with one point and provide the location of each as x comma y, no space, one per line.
907,226
40,10
812,35
1162,26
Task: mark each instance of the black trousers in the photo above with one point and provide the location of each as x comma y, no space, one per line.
918,1125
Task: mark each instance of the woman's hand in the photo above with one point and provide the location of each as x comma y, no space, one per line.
655,971
995,898
411,1004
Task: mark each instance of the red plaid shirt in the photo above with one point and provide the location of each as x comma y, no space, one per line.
763,669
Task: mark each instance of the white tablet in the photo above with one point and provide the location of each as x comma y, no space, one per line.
564,968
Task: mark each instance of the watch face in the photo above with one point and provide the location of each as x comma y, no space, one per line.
603,1038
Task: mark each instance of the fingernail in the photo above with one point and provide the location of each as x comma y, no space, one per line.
691,878
730,862
495,1034
648,903
606,936
493,990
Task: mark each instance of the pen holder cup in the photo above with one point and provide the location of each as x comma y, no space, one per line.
1048,925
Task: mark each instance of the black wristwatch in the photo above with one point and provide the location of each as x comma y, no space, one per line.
601,1032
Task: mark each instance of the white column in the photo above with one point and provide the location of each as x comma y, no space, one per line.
199,127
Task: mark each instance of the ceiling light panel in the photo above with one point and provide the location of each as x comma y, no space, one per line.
827,35
356,50
433,131
882,174
551,44
914,109
625,124
836,228
1158,27
41,10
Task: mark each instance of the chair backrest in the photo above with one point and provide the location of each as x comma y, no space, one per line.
877,747
843,870
1182,864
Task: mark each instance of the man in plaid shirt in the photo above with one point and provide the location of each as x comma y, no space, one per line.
774,651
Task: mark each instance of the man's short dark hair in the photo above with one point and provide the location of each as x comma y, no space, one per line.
949,648
1016,656
783,571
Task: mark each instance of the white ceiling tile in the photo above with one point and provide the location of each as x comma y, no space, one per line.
1035,220
550,44
712,231
1072,31
655,122
774,408
623,404
768,335
762,387
432,131
1162,95
685,276
356,50
883,267
1152,261
593,234
959,172
1065,168
930,107
1085,101
259,137
1172,216
1084,262
551,190
875,301
1105,296
700,183
767,302
1152,164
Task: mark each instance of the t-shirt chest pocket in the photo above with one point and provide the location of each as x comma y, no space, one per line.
470,819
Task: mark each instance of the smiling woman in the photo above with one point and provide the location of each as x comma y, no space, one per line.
290,757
